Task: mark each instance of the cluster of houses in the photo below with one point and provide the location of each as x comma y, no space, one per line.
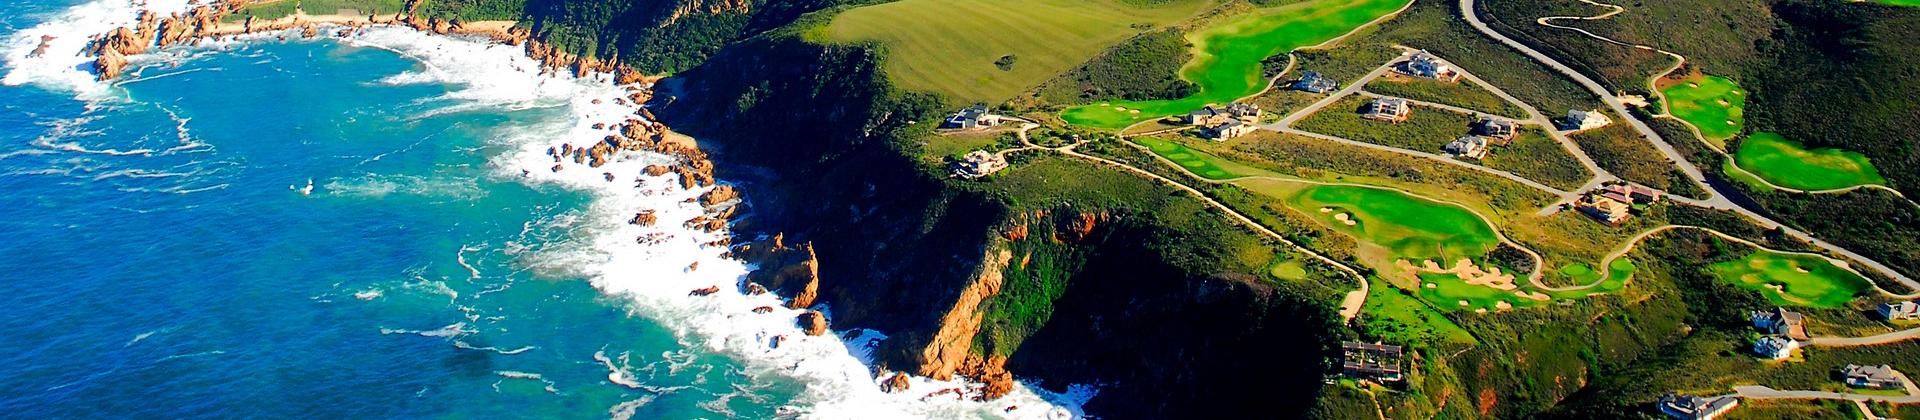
978,164
1488,132
1784,331
1370,361
1900,311
1426,66
1221,123
1613,203
973,117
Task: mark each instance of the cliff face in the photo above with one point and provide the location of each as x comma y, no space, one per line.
824,146
658,36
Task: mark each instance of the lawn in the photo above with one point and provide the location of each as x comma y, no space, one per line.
1410,227
1714,104
1786,163
1449,292
1227,56
1462,94
990,50
1793,279
1198,162
1425,130
1393,316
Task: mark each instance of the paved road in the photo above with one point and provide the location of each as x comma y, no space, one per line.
1717,201
1756,392
1892,337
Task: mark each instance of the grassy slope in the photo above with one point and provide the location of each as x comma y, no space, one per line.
1786,163
1461,94
1537,157
949,47
1426,130
1227,57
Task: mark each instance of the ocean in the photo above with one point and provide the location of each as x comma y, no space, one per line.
368,227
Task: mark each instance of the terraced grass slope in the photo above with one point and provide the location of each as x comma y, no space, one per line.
1793,280
1786,163
1227,56
991,50
1714,104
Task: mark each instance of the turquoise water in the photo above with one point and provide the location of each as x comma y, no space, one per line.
158,263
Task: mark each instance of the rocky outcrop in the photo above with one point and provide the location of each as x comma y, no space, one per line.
991,372
953,342
790,271
896,383
704,291
814,323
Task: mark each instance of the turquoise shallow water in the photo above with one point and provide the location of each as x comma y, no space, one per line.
159,262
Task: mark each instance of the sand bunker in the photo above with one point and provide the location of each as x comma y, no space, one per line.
1723,102
1326,209
1345,218
1693,84
1502,305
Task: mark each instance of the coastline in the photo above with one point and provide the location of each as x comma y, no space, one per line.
619,142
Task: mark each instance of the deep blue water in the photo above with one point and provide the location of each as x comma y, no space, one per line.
158,264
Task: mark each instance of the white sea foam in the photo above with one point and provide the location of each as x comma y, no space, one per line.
654,275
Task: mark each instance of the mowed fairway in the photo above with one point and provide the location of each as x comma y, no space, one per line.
1200,163
1788,164
1411,228
1793,280
1227,56
949,46
1714,104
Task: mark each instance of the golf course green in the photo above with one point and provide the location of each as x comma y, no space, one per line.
1793,279
1788,164
1410,227
1448,291
1227,56
1714,104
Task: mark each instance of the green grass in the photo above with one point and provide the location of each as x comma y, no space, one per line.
1899,2
949,46
1802,280
1786,163
283,8
1535,156
1200,163
1425,130
1449,291
1394,317
1227,56
1462,94
1291,269
1410,227
1714,104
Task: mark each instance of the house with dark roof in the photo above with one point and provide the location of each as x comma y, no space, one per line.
1208,116
1606,210
1496,128
1688,407
1370,361
1872,376
970,118
1228,130
1900,311
1391,110
1245,112
1633,194
1783,322
1314,82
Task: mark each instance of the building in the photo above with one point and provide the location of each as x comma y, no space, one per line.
1391,110
1696,408
1781,321
1424,65
1494,128
1775,347
1247,113
1632,193
1313,82
1228,130
1370,361
1606,210
1876,377
1468,147
1900,311
1209,116
1578,120
978,164
970,118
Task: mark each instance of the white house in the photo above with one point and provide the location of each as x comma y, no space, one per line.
1775,347
1781,321
1696,408
978,164
1468,147
1578,120
1424,65
1900,311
